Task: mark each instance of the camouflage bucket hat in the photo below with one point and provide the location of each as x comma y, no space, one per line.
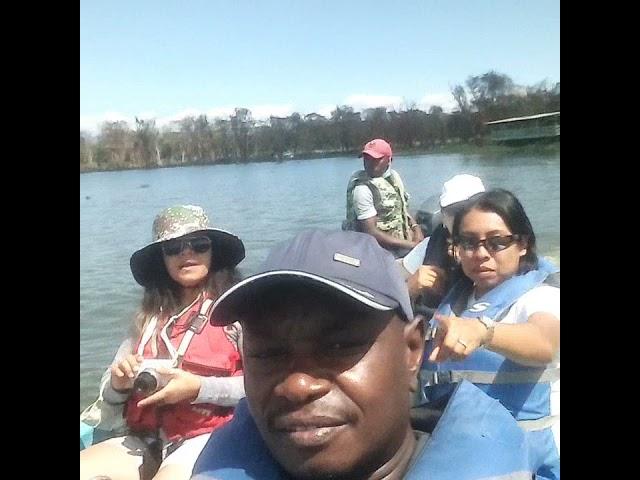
178,221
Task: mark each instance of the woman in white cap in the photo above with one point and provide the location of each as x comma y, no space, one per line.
196,380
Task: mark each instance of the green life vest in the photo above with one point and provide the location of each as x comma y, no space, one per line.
389,199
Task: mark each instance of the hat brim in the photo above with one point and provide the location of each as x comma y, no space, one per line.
374,153
449,200
227,251
223,307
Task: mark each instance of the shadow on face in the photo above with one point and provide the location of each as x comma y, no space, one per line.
327,380
375,167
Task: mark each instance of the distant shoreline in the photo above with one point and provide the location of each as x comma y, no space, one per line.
451,148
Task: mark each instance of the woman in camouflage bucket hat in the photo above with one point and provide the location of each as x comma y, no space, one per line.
174,223
186,267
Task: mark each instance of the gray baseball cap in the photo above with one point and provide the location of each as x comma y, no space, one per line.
351,263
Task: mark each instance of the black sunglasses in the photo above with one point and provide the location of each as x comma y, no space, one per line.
492,244
177,245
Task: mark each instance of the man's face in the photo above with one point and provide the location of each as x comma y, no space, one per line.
375,167
329,385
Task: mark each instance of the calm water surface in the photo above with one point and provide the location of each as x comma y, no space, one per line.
262,203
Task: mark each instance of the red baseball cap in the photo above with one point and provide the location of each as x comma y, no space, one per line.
378,148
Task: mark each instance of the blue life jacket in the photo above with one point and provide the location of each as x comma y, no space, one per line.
86,435
90,435
467,443
524,391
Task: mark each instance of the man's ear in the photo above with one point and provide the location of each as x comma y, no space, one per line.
414,336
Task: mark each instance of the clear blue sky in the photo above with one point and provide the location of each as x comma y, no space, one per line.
164,59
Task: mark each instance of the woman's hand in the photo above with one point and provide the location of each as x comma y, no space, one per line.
456,338
181,386
124,372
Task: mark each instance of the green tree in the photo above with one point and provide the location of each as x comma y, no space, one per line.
86,150
346,124
115,145
460,96
487,88
223,139
241,125
145,143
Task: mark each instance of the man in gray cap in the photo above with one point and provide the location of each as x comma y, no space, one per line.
331,355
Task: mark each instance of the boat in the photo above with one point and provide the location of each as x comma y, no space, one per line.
532,128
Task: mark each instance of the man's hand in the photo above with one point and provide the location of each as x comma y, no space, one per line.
385,240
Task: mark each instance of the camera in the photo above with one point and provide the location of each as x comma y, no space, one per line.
148,380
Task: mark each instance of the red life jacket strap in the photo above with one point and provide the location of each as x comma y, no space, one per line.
195,327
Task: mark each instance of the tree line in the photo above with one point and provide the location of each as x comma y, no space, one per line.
240,138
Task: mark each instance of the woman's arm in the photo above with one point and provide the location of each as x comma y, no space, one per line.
109,394
534,343
185,386
223,391
529,335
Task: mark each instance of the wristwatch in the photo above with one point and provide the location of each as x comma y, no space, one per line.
491,325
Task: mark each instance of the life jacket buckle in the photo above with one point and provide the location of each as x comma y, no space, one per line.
434,378
431,332
198,323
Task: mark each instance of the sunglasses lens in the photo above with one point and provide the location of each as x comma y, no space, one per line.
200,244
175,247
492,244
172,247
496,244
467,244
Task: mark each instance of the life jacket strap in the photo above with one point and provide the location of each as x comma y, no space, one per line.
195,327
542,375
539,424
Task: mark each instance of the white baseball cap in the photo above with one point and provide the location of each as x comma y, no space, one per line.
460,188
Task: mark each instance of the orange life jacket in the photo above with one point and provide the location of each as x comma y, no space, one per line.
208,353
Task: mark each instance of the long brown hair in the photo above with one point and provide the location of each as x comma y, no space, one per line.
164,294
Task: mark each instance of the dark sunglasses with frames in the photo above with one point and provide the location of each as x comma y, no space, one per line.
177,245
492,244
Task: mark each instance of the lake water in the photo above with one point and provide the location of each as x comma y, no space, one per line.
262,203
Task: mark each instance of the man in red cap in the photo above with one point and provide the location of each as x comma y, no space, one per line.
377,202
